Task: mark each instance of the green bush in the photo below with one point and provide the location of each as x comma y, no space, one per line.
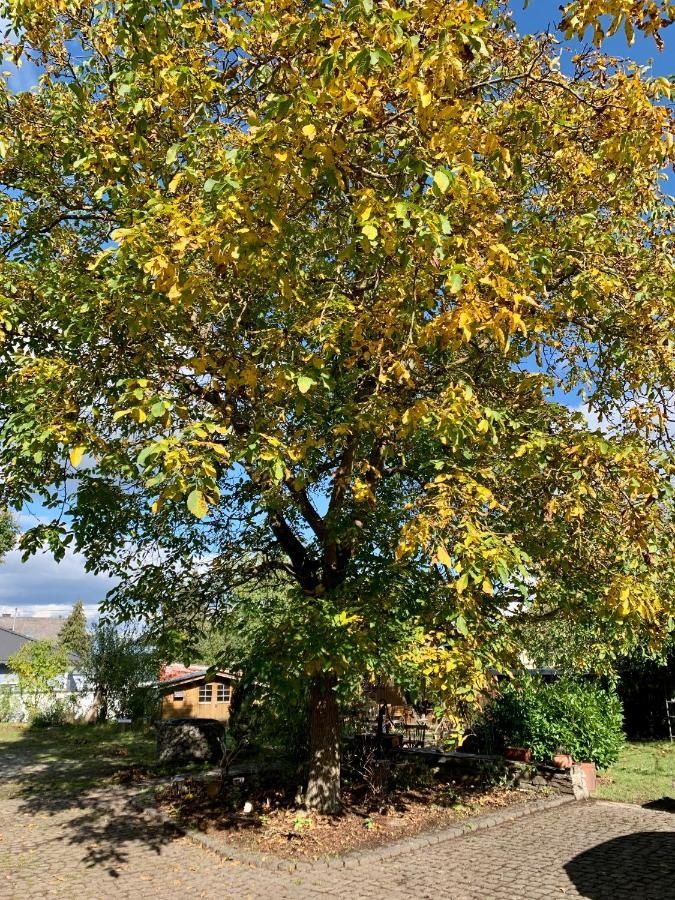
569,716
60,711
8,705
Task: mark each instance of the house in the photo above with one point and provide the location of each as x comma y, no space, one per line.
10,643
193,693
70,686
39,628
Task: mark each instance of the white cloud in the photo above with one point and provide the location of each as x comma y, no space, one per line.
43,586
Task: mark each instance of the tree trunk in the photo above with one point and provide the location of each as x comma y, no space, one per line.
102,702
323,786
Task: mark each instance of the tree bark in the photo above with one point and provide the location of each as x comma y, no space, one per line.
323,786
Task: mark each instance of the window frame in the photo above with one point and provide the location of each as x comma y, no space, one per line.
178,696
207,691
226,690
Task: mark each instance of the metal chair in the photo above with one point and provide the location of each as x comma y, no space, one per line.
670,716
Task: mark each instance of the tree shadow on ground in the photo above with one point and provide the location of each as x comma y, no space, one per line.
79,780
106,824
663,804
640,865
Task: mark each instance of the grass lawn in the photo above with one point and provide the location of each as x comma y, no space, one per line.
71,757
643,773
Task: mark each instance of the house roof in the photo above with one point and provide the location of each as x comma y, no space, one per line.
40,628
10,643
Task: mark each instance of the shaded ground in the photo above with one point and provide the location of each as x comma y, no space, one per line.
107,843
70,758
643,774
273,825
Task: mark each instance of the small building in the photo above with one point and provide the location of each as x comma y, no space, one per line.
195,694
39,628
69,687
10,643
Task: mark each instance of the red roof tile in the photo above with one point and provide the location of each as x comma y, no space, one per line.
177,670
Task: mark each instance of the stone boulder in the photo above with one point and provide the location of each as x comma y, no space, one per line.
189,740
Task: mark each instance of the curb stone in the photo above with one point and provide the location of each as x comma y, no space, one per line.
374,854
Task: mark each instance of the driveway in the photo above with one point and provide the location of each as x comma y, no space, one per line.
107,844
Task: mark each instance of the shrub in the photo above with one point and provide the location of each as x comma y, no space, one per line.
60,711
570,716
8,705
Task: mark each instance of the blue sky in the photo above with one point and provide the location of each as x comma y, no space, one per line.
44,587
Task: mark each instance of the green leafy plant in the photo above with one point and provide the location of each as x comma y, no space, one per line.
572,716
60,711
302,823
8,705
118,666
38,664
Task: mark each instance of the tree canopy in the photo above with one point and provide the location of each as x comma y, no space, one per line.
8,531
296,289
119,666
73,636
38,664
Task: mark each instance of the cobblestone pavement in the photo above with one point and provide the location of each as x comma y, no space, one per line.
104,845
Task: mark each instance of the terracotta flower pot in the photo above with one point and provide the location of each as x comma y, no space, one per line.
518,754
562,761
590,775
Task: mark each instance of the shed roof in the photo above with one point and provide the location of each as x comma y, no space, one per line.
195,676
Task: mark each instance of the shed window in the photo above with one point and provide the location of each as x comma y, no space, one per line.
224,693
205,693
178,696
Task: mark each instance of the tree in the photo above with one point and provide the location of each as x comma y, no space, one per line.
38,664
296,290
73,636
118,666
8,532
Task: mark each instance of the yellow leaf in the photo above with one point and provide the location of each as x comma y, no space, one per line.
76,455
309,131
441,180
370,231
196,503
442,556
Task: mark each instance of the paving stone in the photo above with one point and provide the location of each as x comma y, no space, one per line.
106,844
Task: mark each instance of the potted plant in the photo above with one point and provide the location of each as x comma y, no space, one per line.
518,754
561,759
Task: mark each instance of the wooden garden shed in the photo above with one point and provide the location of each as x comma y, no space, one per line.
197,695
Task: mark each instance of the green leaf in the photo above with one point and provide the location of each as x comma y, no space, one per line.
305,383
172,154
455,283
461,626
441,180
196,503
462,583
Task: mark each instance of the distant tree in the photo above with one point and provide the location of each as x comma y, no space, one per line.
8,532
38,664
117,666
73,637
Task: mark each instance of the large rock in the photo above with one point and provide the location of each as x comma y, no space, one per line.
189,740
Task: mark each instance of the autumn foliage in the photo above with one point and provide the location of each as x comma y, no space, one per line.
296,289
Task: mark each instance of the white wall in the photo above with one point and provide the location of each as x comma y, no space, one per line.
71,687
